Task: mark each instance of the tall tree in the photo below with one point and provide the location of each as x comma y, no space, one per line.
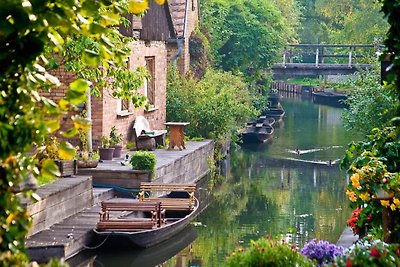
246,35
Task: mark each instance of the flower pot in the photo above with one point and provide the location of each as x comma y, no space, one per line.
106,153
117,151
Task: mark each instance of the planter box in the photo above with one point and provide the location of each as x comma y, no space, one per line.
67,167
87,163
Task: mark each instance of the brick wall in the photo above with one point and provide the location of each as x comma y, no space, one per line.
104,109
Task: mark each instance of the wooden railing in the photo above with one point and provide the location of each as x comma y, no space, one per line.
323,51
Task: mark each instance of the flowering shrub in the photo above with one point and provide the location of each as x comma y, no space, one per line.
369,253
359,220
375,178
321,252
267,252
371,180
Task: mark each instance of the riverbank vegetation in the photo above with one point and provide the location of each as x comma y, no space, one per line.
30,32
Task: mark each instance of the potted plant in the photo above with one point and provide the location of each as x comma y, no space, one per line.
51,150
86,158
143,160
115,142
105,151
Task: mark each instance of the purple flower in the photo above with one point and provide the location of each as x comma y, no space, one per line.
321,251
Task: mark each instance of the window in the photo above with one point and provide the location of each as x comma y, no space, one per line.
123,107
149,85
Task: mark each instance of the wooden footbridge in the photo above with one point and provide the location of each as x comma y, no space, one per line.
324,59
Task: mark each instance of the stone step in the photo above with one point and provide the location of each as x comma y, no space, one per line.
101,194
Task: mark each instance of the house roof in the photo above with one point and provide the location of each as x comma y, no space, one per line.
178,10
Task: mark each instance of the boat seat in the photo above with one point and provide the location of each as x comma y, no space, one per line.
125,225
169,203
120,205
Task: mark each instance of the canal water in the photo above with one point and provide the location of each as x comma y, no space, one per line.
290,188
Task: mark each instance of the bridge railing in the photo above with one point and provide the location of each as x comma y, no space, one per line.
320,52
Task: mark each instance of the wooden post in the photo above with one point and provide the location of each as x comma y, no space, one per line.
316,57
387,225
350,55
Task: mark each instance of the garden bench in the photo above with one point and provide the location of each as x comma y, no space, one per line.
127,223
145,137
169,203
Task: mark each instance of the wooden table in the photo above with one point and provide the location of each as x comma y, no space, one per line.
176,134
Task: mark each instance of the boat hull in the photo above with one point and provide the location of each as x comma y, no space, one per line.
151,237
276,113
329,99
253,134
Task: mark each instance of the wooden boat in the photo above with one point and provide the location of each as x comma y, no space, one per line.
266,121
175,221
274,99
329,98
257,134
276,113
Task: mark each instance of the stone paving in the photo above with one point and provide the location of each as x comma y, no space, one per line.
347,238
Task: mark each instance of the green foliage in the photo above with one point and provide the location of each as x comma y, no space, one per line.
143,160
267,252
200,52
115,137
131,145
28,30
373,166
105,141
391,10
245,36
216,106
371,105
342,21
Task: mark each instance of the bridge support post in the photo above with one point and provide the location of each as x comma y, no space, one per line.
350,55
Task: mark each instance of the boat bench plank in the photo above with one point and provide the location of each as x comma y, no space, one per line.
168,187
151,206
169,203
126,225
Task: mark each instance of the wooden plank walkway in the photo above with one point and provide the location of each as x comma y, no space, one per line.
70,236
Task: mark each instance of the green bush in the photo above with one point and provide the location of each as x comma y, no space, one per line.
143,160
216,106
267,252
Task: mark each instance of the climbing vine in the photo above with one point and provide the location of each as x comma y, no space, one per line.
27,29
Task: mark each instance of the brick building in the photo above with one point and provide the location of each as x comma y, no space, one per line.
185,15
157,35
